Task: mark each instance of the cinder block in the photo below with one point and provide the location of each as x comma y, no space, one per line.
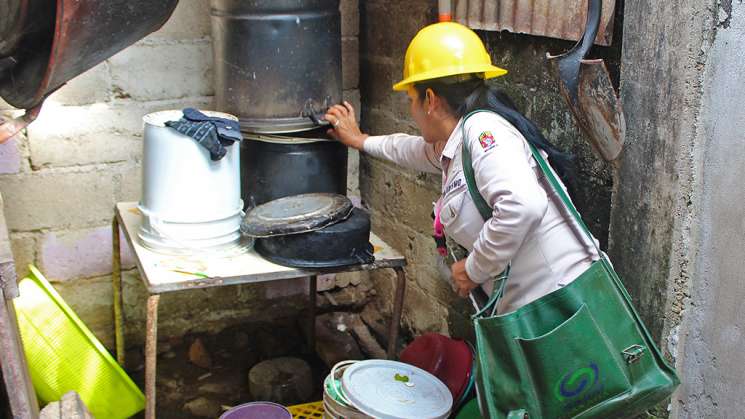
100,133
350,62
76,135
350,17
353,172
82,253
90,87
91,299
23,246
153,72
190,20
10,156
76,254
398,193
58,199
128,182
353,97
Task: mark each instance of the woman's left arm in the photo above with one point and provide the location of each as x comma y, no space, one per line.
504,177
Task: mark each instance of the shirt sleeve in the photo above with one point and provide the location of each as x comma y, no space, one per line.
504,177
409,151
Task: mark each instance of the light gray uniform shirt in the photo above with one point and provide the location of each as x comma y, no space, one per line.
529,228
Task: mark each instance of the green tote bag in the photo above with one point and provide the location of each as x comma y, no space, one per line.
579,352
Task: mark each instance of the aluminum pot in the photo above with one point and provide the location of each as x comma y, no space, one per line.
274,167
277,62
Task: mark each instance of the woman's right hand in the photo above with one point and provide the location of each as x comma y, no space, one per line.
345,128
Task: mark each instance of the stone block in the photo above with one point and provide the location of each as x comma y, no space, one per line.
190,20
423,313
69,407
58,199
350,17
286,288
23,246
350,62
10,156
325,282
90,87
334,341
149,72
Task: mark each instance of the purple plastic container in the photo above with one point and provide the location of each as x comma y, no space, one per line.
257,410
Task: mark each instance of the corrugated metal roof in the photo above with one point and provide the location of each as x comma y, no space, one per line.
563,19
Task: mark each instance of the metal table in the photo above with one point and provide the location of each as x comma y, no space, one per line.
162,273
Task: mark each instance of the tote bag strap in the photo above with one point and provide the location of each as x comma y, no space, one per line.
484,208
486,211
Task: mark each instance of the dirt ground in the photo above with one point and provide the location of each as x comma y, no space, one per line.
188,391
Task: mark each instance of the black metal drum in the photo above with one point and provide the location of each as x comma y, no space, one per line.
277,62
274,167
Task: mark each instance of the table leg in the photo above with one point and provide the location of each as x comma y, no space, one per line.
151,354
312,296
398,305
116,278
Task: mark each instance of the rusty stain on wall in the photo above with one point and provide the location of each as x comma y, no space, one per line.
563,19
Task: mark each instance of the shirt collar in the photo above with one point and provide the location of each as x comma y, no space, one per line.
453,142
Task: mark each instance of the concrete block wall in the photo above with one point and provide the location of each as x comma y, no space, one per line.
401,201
62,176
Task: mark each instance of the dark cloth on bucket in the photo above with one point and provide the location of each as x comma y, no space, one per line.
212,133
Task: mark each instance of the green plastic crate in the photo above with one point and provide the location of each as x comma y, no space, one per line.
64,355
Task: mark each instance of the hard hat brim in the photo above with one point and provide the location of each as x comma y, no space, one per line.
488,70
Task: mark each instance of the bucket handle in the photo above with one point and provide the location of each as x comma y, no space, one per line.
340,393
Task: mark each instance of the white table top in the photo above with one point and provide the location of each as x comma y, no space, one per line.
163,273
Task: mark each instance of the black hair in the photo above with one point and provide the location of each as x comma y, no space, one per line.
467,94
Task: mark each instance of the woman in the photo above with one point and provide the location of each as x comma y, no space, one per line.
445,69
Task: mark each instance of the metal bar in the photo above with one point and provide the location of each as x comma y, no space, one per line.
398,305
116,279
312,296
23,404
151,354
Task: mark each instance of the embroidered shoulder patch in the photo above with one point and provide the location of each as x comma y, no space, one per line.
487,140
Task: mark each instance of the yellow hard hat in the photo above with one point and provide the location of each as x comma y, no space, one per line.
446,49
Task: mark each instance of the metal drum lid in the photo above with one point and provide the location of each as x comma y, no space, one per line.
296,214
283,139
394,390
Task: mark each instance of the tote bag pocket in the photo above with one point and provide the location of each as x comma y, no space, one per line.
572,367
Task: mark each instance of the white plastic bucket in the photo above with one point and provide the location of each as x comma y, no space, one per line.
189,202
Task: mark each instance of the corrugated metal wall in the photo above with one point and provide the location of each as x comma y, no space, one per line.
563,19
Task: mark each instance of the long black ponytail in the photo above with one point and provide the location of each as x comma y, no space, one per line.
465,96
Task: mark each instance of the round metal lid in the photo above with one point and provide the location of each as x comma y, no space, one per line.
282,139
296,214
394,390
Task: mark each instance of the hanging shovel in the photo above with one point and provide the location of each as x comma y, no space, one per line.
587,88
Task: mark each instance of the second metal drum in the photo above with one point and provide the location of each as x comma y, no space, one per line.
277,62
274,167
